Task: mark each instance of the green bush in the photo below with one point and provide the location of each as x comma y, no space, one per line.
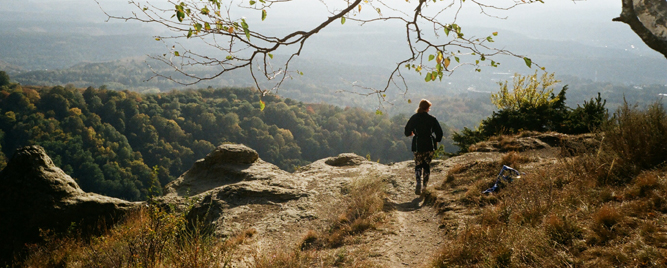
550,115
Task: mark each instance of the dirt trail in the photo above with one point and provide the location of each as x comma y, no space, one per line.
413,233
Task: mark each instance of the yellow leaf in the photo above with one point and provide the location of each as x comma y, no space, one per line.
359,8
447,62
230,30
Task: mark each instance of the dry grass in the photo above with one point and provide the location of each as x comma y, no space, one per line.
514,160
509,143
364,202
148,238
639,136
604,207
314,258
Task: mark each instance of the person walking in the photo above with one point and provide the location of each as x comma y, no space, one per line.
426,132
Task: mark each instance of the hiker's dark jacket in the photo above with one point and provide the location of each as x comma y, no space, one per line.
427,132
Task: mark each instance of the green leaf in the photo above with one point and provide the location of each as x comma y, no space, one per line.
495,33
204,11
263,14
270,55
157,39
431,57
189,33
428,77
342,20
198,27
176,53
207,26
378,112
252,2
262,105
457,59
244,25
529,62
447,29
180,15
409,101
229,57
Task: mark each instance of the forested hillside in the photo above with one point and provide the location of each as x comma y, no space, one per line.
111,141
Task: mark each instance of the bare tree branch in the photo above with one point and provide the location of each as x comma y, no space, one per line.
436,47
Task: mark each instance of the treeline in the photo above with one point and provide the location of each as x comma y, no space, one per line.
110,141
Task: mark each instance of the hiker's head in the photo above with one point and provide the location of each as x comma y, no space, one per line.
424,106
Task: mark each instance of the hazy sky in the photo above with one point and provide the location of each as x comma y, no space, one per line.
581,23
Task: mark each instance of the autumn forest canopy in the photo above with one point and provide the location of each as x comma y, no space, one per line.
111,141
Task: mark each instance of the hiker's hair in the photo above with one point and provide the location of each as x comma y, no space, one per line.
424,104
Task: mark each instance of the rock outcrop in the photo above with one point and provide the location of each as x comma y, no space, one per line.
537,141
232,176
35,194
347,159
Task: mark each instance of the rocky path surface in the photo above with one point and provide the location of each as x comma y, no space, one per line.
415,229
413,233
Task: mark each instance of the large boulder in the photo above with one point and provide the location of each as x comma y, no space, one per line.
345,159
230,180
227,164
36,195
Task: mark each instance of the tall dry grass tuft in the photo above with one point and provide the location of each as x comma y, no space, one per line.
364,203
514,159
150,237
638,136
607,224
562,229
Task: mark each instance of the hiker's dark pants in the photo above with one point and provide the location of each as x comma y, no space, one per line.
423,166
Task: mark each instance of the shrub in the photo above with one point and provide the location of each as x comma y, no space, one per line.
638,136
530,109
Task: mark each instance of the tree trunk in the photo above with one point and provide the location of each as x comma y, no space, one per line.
648,19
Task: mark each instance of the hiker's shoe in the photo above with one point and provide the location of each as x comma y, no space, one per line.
418,190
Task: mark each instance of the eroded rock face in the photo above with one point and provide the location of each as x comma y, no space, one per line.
228,180
35,194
